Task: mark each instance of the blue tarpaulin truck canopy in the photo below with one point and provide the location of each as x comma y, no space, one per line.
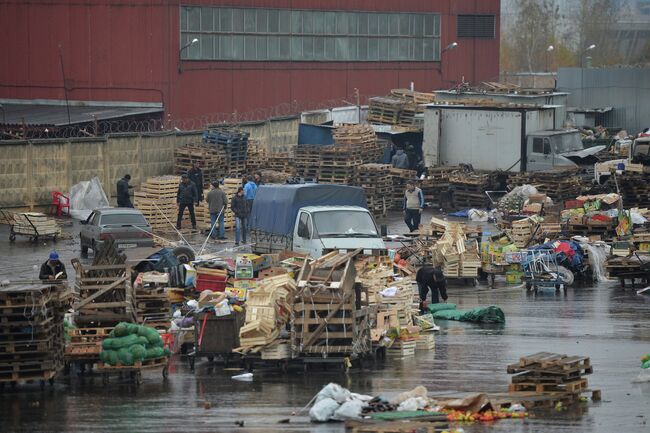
276,206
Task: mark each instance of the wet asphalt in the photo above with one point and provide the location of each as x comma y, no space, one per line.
606,322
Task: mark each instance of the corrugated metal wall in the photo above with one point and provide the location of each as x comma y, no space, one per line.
625,89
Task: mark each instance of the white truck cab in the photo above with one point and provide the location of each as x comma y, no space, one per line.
320,229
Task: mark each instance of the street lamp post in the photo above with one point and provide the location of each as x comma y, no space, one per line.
449,47
548,52
180,53
582,55
582,73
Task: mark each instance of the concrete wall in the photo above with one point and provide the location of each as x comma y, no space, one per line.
31,170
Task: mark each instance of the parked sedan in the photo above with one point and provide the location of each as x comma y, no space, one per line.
126,226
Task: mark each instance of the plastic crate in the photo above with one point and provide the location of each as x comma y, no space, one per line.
573,204
210,283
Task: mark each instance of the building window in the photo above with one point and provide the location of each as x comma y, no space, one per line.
251,34
476,26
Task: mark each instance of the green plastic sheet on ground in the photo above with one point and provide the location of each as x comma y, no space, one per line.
491,314
130,342
389,416
439,307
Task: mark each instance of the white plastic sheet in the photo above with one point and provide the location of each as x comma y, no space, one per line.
85,197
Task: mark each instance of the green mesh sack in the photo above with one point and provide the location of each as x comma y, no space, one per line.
154,337
103,356
120,330
111,357
125,357
138,351
155,352
127,341
167,352
143,341
107,344
133,328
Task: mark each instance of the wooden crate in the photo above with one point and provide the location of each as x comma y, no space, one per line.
402,349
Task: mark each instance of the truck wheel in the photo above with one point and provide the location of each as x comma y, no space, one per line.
184,254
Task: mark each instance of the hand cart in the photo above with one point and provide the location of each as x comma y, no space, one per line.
135,370
541,270
216,336
25,224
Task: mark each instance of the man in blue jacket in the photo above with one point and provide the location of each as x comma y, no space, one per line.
413,206
250,190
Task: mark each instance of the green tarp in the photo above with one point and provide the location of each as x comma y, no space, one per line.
491,314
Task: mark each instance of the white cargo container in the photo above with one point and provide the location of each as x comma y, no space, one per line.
499,138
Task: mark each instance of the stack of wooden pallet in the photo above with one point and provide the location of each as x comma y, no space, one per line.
436,184
280,162
399,179
233,143
376,181
156,199
152,307
634,188
85,344
413,110
210,158
35,224
385,110
559,185
546,372
307,160
268,309
230,186
256,157
31,332
521,232
330,317
468,189
356,137
105,290
338,164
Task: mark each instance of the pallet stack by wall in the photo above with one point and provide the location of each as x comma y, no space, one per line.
338,163
385,110
234,145
32,332
468,189
413,109
156,199
210,158
376,181
307,161
360,136
559,185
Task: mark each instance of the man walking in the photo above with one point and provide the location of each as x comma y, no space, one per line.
123,199
196,176
430,278
250,190
185,198
217,204
241,211
413,205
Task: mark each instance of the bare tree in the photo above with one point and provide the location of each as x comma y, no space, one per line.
532,31
593,20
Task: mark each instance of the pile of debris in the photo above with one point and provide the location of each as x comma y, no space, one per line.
559,185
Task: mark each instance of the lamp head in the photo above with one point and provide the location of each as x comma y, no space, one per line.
591,47
452,46
550,48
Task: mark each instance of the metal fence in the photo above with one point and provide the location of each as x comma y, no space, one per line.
627,90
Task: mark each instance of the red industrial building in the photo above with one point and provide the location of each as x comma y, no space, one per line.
249,55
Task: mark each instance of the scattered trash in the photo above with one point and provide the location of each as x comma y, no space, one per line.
246,377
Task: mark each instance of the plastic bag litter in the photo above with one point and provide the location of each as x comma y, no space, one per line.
335,392
323,410
413,404
246,377
598,254
418,391
637,218
478,215
86,196
389,292
349,410
643,377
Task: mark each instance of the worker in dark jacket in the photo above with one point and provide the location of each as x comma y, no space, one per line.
185,198
217,203
196,175
431,278
241,210
123,199
53,270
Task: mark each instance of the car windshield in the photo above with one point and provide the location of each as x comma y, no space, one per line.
123,219
567,142
344,223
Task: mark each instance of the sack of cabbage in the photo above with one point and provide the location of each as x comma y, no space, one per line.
130,342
